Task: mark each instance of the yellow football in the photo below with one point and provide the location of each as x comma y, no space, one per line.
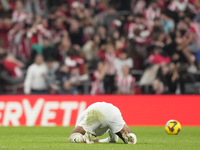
173,127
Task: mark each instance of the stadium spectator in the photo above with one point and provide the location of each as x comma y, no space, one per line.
98,76
102,33
192,35
35,82
11,64
159,57
110,16
57,29
79,33
46,49
19,15
90,51
139,7
152,12
108,54
121,61
140,32
167,23
194,6
11,76
169,76
5,26
76,33
62,49
51,77
125,82
63,77
153,62
34,6
157,87
178,6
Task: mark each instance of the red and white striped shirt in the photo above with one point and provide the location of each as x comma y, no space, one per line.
132,27
109,59
151,14
36,34
18,16
96,85
75,61
125,84
24,48
12,46
193,9
195,29
179,5
57,33
139,7
138,39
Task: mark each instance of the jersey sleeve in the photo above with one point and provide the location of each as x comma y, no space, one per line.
80,118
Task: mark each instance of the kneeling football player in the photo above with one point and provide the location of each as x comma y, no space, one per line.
98,119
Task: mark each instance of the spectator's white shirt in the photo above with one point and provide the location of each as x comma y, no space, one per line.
120,63
35,78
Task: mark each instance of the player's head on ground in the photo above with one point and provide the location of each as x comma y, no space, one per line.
79,135
76,138
80,138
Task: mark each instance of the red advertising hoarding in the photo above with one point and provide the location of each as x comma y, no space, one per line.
63,110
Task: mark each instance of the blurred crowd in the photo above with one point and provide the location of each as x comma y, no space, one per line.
95,46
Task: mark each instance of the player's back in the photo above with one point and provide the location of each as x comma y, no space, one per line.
99,117
108,110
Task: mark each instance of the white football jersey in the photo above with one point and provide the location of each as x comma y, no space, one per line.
101,117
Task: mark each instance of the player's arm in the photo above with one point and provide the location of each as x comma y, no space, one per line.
127,136
78,129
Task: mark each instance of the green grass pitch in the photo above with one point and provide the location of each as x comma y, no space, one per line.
55,138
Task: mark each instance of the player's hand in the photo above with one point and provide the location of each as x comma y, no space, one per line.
95,140
87,138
